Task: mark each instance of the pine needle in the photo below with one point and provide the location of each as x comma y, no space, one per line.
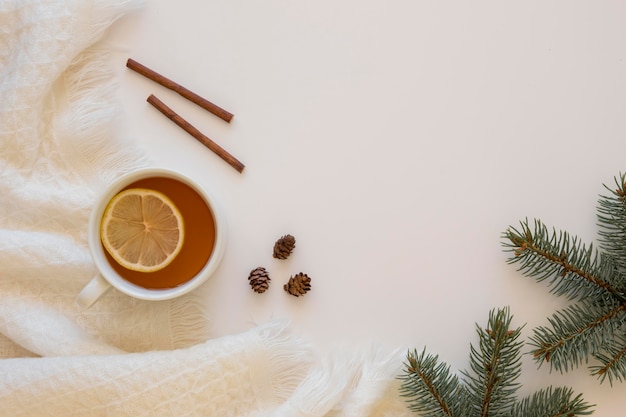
552,402
594,326
429,386
572,269
575,334
488,389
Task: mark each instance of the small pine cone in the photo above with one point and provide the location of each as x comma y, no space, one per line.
298,284
284,246
259,279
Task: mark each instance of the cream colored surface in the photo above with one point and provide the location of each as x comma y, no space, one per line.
396,140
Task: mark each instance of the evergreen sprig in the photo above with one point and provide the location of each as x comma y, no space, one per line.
551,402
431,388
488,389
612,219
572,269
594,326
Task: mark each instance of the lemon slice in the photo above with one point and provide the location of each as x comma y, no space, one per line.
142,229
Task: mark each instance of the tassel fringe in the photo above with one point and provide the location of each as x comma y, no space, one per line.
289,361
189,320
92,125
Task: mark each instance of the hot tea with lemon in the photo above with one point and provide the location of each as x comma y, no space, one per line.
157,232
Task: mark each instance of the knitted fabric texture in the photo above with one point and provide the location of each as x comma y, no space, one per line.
230,376
61,144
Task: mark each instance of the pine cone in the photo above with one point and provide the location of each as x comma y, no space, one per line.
284,246
298,284
259,279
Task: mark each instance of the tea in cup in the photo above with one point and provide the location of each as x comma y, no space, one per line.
193,232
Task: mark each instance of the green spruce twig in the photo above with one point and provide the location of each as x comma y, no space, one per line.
489,388
431,388
594,326
612,219
551,402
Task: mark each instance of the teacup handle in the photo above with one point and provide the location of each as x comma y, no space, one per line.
92,291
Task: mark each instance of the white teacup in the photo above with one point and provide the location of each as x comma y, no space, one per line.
206,260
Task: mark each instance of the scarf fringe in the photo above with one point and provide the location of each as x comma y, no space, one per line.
349,383
110,11
290,358
189,320
321,389
375,389
92,125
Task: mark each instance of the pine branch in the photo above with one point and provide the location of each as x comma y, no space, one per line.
557,402
576,333
594,327
612,359
612,222
489,389
495,366
574,270
430,388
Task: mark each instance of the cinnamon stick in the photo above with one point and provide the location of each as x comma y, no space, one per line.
187,127
188,94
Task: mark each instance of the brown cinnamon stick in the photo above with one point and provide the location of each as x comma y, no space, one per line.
188,94
187,127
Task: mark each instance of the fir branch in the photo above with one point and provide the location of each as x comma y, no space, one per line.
552,402
595,327
576,333
495,366
430,388
489,389
574,270
612,222
612,359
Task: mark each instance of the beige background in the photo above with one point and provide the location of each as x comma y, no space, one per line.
396,140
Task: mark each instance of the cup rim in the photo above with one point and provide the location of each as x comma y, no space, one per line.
107,272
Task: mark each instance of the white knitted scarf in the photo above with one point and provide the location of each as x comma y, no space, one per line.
60,144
